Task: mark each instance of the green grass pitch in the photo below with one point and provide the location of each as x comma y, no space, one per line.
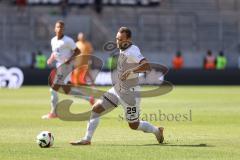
212,131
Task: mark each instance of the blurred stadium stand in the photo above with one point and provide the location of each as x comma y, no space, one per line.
193,26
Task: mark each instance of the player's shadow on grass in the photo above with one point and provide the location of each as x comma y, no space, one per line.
180,145
170,145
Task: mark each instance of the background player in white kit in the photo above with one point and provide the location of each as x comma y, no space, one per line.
63,49
124,91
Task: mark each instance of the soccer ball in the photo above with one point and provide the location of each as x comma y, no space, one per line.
45,139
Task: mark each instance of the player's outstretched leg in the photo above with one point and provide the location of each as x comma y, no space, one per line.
148,128
54,101
92,125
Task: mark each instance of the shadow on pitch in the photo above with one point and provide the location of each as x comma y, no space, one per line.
169,145
180,145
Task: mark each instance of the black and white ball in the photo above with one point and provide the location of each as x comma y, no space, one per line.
45,139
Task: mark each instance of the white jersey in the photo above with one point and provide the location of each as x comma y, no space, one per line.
128,59
131,55
63,49
126,92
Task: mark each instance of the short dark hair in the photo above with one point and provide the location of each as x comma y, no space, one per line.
60,22
209,52
125,30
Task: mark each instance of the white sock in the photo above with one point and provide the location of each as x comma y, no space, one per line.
92,125
54,100
147,127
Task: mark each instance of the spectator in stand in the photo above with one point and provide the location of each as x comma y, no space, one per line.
33,59
221,61
178,61
40,61
98,6
111,63
21,4
64,7
209,61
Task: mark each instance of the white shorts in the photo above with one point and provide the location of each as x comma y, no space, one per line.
129,100
63,74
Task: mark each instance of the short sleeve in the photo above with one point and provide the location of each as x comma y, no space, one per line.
71,44
52,45
136,55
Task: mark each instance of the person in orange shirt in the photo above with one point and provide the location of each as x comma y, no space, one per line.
81,74
178,61
209,61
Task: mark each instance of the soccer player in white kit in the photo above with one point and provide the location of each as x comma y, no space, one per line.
63,49
124,91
